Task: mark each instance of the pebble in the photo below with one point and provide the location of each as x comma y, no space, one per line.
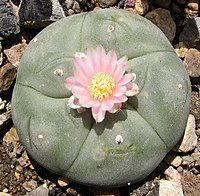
162,18
172,185
30,185
189,141
193,5
40,191
5,117
192,62
191,33
1,55
14,53
181,1
106,3
2,104
8,21
163,3
63,181
7,76
173,159
39,14
4,194
181,49
11,137
171,188
141,7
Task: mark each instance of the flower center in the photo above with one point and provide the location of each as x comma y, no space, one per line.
101,86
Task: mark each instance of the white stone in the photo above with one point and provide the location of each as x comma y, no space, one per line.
189,141
170,188
173,159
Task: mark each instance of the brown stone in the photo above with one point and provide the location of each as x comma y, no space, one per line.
140,7
181,49
106,3
162,18
7,76
192,62
14,53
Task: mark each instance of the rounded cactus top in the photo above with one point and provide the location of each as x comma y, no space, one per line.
124,146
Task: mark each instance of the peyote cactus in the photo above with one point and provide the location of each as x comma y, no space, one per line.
127,145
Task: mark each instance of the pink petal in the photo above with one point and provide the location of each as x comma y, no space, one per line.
81,78
80,92
102,58
88,103
98,114
73,102
70,83
107,104
93,66
111,62
120,68
80,65
132,89
119,90
125,79
121,99
115,108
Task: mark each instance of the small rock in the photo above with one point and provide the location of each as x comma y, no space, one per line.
162,18
63,181
8,21
7,75
2,104
11,137
14,53
181,1
172,185
163,3
192,62
69,3
5,117
24,160
193,5
191,33
190,185
4,194
171,188
1,55
173,159
106,3
176,8
30,185
37,13
141,7
17,175
40,191
189,141
181,49
172,175
195,103
105,192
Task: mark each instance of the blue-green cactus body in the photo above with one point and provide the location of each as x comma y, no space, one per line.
72,144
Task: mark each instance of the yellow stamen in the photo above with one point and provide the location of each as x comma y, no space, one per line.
101,86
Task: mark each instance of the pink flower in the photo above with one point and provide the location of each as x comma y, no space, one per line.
100,82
